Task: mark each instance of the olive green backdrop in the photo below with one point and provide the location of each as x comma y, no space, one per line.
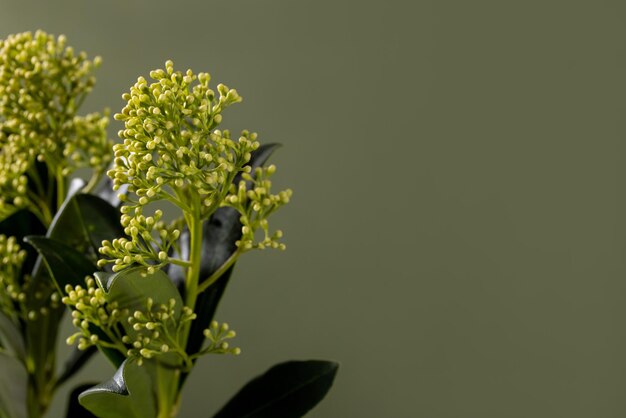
457,237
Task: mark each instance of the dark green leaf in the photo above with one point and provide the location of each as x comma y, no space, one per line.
66,266
13,381
46,185
84,221
11,337
74,408
287,390
76,232
74,362
131,288
128,394
19,225
64,263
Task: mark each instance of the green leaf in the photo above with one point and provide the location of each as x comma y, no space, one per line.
84,221
11,338
287,390
64,263
75,361
131,289
66,266
127,394
43,175
75,234
74,408
23,223
219,235
13,381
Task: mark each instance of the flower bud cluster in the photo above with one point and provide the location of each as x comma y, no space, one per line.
91,311
12,294
43,82
13,182
149,243
253,199
157,331
217,335
170,141
16,287
171,148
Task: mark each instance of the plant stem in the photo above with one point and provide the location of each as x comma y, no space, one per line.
168,387
93,181
219,272
195,256
60,187
167,393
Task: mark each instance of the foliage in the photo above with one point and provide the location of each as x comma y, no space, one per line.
43,140
141,290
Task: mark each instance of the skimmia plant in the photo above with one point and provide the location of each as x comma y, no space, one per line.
43,140
141,289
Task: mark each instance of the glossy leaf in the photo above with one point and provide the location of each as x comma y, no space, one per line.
64,263
74,408
131,288
287,390
13,381
219,235
74,234
21,224
67,266
48,187
84,221
127,394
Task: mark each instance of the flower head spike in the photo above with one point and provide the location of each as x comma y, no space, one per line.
171,146
11,286
173,150
43,82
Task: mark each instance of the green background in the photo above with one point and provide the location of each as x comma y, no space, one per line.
457,235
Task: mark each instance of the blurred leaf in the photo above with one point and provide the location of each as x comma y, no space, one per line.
219,234
287,390
74,236
66,266
48,184
64,263
23,223
11,338
84,221
74,408
74,362
13,381
104,190
127,394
